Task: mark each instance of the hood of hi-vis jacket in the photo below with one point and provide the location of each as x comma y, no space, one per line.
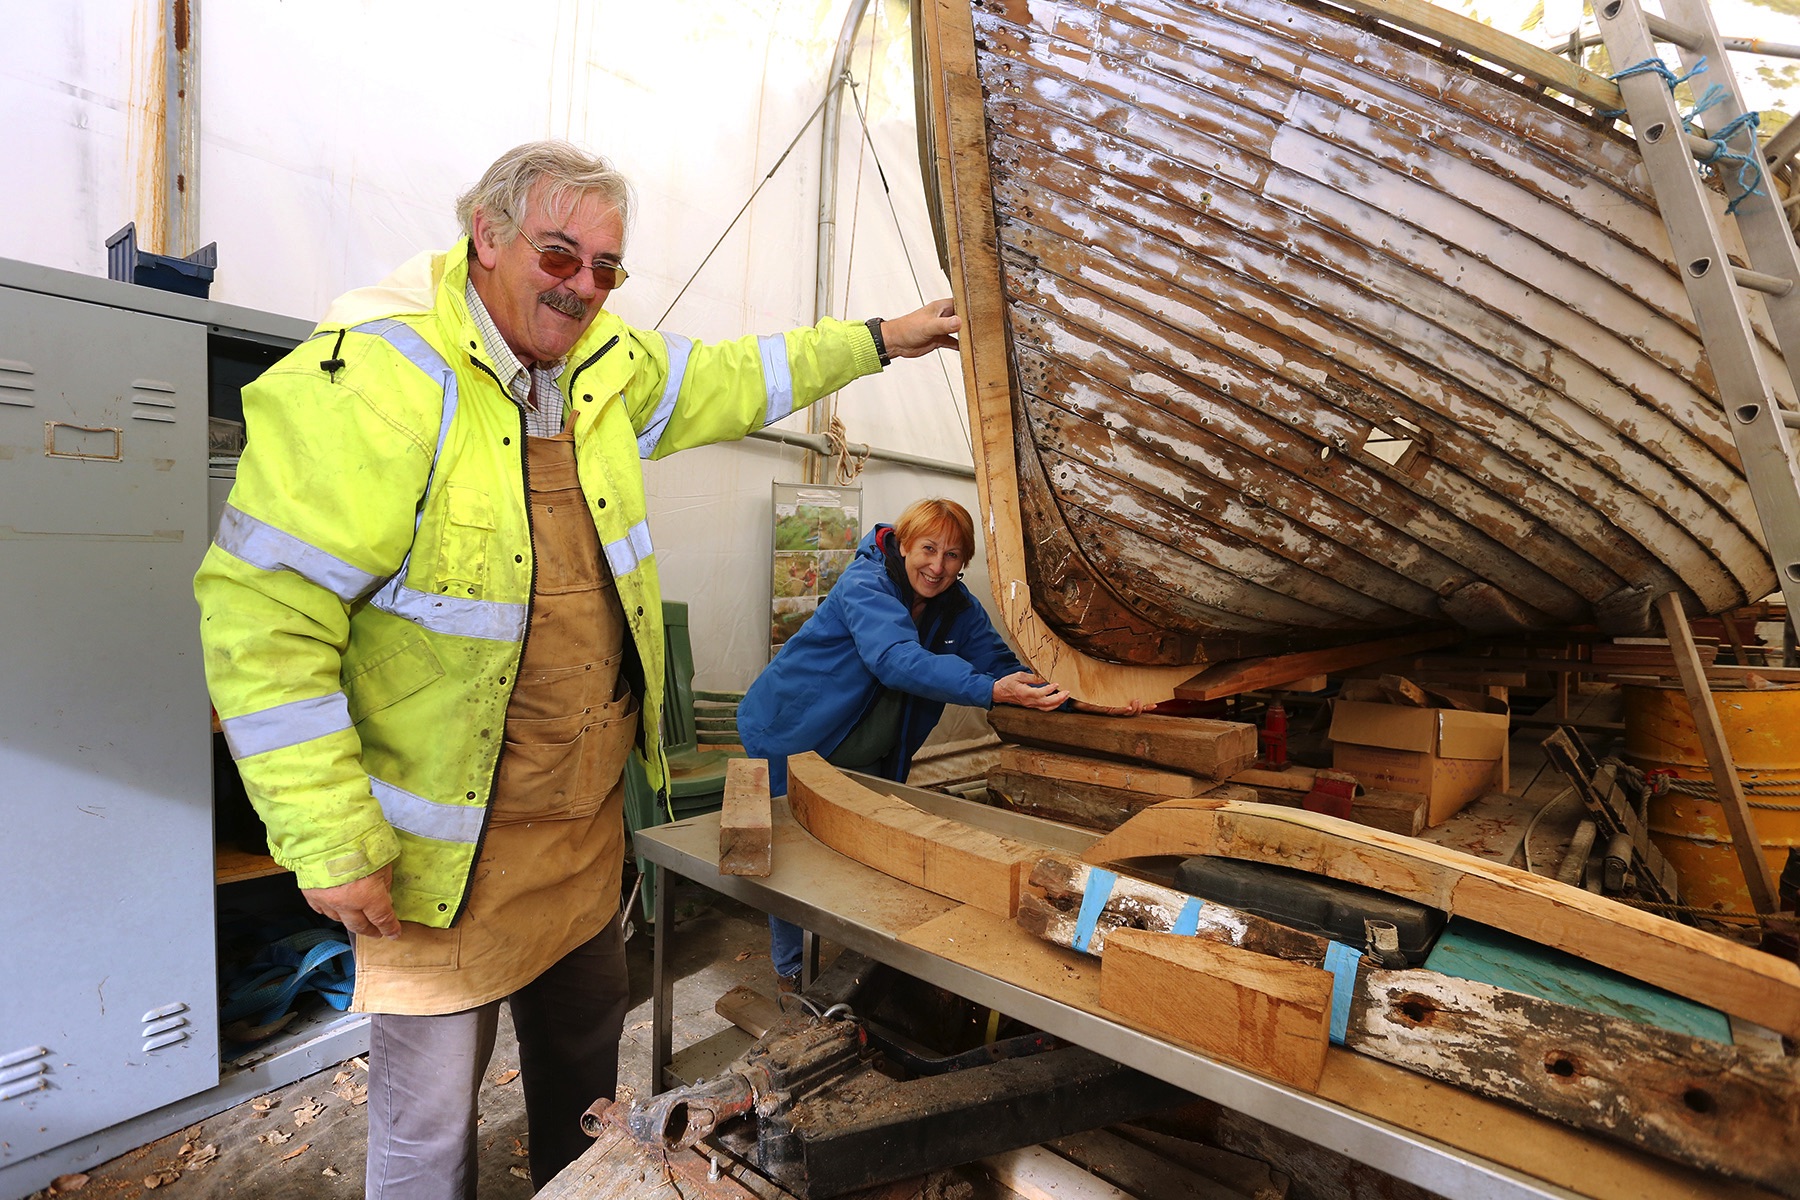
365,602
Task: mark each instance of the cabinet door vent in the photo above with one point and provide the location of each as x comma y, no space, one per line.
15,382
152,400
24,1071
165,1026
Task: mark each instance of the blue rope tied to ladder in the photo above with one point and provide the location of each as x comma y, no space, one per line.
1748,176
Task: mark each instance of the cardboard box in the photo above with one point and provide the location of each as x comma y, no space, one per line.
1449,756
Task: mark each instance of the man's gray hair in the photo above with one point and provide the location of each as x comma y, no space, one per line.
566,169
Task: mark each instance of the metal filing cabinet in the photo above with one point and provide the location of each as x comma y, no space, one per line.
108,1014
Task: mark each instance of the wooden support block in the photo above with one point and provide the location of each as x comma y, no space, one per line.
1267,1014
947,857
744,825
1036,1174
1396,812
1191,745
1701,966
1100,772
749,1010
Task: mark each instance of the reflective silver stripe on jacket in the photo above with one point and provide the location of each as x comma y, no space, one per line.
427,818
778,377
286,725
458,616
624,555
679,349
270,549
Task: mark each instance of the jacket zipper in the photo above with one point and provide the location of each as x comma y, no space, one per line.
487,811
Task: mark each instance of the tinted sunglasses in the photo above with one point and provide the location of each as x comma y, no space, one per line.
562,263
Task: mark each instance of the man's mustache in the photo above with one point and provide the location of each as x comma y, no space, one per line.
567,303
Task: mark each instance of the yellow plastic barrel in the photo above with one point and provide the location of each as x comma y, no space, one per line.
1762,728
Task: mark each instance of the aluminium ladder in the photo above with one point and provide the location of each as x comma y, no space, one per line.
1758,422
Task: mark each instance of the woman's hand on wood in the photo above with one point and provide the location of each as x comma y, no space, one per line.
1028,691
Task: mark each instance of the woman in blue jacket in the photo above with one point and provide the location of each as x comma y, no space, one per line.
867,677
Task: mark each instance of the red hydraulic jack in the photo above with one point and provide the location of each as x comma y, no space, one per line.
1274,735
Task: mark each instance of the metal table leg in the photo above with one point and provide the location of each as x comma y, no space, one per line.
661,1015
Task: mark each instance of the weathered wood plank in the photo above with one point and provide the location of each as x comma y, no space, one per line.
1133,903
745,827
946,857
1034,1173
1230,679
1194,745
1686,961
1266,1014
1100,772
1690,1099
1087,805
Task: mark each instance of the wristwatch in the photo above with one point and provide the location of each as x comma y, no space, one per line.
881,351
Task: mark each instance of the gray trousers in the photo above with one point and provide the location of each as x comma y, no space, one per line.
425,1073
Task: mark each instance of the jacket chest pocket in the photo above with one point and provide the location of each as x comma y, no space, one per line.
467,538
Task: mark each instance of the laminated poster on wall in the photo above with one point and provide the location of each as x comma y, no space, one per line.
816,529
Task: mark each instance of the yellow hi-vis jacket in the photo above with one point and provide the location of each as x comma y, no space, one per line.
364,605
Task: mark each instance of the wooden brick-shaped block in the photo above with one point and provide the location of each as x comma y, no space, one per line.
947,857
744,826
1190,745
1099,772
1266,1014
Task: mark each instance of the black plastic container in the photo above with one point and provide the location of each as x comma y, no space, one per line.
1310,902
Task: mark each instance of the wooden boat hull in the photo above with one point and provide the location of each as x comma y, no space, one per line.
1287,328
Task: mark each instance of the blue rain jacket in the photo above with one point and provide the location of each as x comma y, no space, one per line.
861,640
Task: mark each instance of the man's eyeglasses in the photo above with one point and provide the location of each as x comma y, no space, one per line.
562,263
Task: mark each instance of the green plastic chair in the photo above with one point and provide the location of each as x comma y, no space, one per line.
696,771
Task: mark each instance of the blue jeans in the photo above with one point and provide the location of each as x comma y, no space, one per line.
784,947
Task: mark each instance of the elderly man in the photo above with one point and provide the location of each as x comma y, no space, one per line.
433,635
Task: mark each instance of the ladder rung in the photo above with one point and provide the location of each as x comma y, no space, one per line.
1769,285
1667,31
1790,419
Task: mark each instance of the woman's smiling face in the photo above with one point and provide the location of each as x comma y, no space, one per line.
933,562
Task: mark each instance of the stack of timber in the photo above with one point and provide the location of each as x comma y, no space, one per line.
1242,989
1128,1162
1293,324
1097,771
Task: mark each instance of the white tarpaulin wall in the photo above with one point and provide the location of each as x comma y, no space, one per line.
334,135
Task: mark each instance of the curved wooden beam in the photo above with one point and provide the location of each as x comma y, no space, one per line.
1701,966
960,141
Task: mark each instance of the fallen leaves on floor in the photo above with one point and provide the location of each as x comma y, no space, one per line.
262,1104
158,1178
274,1137
193,1155
330,1172
296,1152
307,1112
521,1172
361,1063
62,1185
519,1150
640,1025
506,1077
346,1087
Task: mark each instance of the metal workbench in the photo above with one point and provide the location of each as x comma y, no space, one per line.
855,906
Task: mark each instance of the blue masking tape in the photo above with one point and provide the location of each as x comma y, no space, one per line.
1187,921
1099,891
1341,961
